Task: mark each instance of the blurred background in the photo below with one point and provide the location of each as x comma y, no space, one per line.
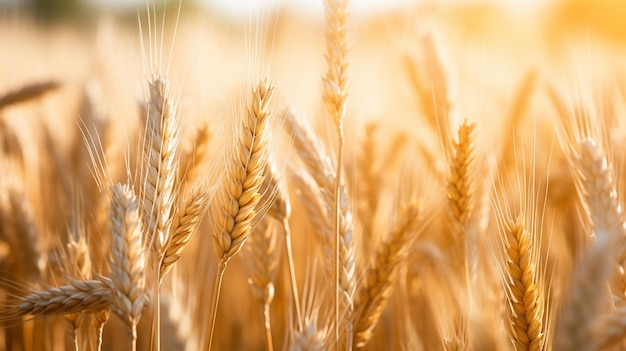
604,17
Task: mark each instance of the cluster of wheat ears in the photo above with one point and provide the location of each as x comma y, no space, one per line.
253,230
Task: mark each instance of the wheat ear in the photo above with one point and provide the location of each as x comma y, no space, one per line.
368,184
195,162
598,188
27,92
433,92
461,193
160,164
24,235
238,195
524,301
128,258
158,179
585,298
610,329
81,296
382,274
184,227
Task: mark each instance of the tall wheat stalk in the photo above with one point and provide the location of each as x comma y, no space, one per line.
238,195
335,95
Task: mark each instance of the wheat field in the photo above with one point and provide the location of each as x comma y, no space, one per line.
448,176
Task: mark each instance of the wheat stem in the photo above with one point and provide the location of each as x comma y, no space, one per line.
268,326
99,320
292,270
217,286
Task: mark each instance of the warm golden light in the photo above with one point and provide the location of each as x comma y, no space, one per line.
312,175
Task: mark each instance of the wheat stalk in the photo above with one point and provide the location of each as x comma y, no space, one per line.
238,194
318,165
335,95
100,318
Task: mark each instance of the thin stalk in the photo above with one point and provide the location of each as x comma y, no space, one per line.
268,326
99,332
99,320
74,337
292,271
217,286
133,337
336,225
156,321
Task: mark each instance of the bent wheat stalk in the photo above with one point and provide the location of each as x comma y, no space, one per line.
335,95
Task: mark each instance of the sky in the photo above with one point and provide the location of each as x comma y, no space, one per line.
242,8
